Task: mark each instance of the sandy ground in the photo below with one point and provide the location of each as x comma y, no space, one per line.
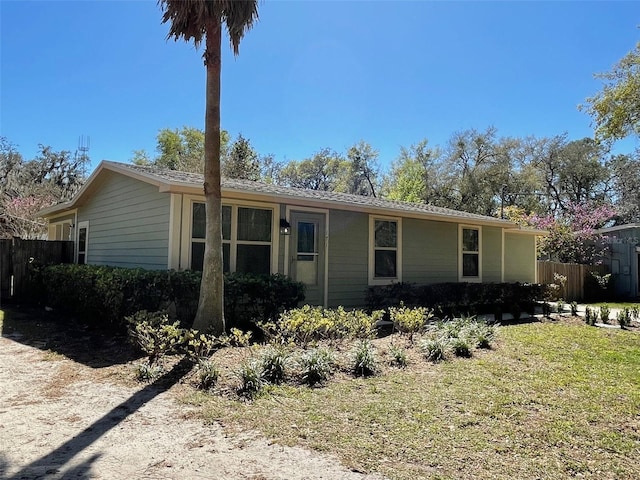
94,428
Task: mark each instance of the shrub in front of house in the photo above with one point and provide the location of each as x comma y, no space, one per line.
363,359
453,299
103,296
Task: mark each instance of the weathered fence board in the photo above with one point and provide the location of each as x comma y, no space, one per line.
16,256
575,273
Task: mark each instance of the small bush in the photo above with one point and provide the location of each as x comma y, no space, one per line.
434,349
275,364
251,378
546,309
590,316
398,356
560,306
236,338
635,313
624,317
574,309
363,359
154,334
317,365
605,313
410,320
208,374
200,346
309,324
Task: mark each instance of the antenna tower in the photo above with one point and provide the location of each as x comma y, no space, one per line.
82,153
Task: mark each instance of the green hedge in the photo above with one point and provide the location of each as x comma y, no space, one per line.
458,298
102,296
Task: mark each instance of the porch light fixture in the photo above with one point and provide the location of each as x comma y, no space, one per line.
285,227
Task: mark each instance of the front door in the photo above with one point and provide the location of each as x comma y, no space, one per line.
307,254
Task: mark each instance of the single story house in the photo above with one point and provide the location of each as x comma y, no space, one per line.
623,258
337,244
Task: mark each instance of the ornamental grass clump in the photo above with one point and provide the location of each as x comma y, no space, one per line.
316,366
605,313
276,362
479,334
398,356
363,359
208,374
434,349
251,380
460,347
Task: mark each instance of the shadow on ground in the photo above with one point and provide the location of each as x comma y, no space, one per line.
52,332
54,462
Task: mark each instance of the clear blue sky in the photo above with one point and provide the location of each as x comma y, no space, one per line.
309,75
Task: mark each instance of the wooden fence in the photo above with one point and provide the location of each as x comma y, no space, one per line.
575,273
15,257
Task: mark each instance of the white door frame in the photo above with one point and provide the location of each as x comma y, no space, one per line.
287,247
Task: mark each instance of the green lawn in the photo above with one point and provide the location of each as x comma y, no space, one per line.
615,304
550,401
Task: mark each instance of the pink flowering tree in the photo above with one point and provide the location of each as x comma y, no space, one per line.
19,216
572,236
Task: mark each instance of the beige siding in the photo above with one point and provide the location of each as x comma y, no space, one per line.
348,258
491,254
430,251
519,258
128,224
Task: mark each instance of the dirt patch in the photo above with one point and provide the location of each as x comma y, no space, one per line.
63,419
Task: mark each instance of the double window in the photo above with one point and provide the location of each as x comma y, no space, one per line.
246,238
470,262
385,256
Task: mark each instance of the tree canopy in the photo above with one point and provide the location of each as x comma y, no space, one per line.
616,108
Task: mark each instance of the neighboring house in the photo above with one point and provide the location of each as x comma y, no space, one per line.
337,244
624,258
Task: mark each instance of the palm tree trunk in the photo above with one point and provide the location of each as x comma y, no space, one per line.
210,314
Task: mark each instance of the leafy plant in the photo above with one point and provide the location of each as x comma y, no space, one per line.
398,356
317,365
546,309
479,334
605,313
574,309
434,349
624,317
146,372
590,316
410,320
275,363
200,346
251,378
208,374
154,334
460,347
635,313
236,338
560,306
363,359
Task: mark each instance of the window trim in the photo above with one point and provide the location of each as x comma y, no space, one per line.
461,252
372,251
187,224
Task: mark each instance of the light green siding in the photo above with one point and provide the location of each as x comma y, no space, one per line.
430,251
519,258
491,254
348,258
128,223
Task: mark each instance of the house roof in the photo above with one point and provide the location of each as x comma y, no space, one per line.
184,182
618,228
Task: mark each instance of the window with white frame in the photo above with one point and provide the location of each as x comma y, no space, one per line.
470,266
385,262
246,238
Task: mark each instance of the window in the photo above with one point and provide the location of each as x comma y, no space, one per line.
470,265
385,261
246,238
60,231
83,242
